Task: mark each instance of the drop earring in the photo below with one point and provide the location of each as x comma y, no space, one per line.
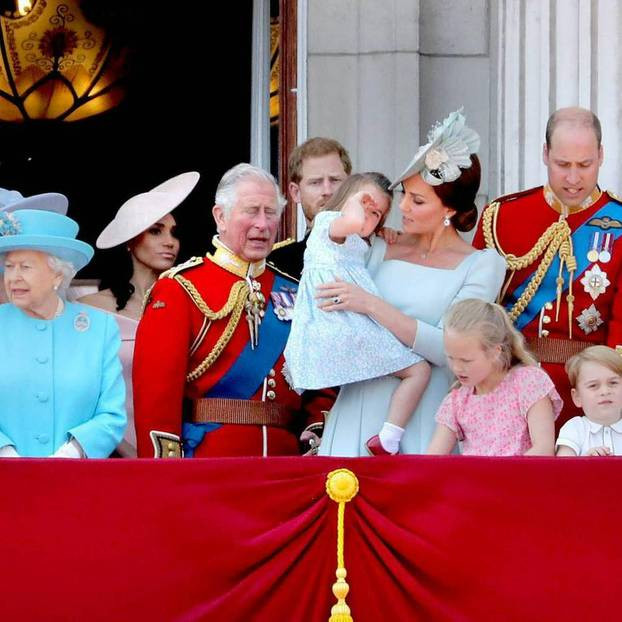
446,221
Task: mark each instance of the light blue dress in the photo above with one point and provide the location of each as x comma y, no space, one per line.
361,408
329,349
59,379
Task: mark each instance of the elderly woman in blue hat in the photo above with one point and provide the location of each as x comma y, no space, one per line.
61,388
11,200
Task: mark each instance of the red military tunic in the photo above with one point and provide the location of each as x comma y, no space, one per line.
175,337
595,314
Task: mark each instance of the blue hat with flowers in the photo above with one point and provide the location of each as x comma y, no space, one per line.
11,200
44,231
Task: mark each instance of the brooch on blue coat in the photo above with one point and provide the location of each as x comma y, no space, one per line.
283,303
81,322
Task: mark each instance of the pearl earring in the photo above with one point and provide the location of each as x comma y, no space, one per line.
446,221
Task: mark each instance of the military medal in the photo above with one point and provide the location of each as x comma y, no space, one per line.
592,254
605,254
595,281
589,320
283,303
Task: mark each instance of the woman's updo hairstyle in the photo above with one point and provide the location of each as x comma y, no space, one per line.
460,195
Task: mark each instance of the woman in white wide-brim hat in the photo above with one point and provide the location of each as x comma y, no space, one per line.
12,200
61,388
145,226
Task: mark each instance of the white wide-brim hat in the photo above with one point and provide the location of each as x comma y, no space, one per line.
143,210
12,200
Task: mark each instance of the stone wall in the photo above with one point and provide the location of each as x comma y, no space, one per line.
380,73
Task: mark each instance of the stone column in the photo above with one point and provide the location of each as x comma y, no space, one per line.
550,54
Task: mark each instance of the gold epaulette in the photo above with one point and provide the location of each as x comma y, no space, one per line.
283,243
281,272
614,196
172,272
517,195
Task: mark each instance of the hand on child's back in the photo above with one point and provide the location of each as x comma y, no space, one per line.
599,451
389,235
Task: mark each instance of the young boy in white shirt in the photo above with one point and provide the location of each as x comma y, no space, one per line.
595,376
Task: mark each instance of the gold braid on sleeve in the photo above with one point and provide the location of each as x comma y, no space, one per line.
233,308
556,238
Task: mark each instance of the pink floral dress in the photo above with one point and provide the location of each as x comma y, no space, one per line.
495,423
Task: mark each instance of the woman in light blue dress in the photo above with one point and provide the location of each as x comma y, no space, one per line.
418,277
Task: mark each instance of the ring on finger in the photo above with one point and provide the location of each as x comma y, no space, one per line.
337,300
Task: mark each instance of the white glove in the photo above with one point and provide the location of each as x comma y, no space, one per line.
70,449
8,451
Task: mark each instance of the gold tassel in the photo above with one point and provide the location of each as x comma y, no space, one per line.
567,252
341,486
560,284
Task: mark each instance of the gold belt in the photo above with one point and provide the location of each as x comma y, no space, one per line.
549,350
241,412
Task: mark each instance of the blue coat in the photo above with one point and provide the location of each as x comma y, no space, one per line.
59,379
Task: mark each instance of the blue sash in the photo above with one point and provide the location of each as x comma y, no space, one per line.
249,370
581,239
246,375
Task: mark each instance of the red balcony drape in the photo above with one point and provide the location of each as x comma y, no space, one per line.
250,539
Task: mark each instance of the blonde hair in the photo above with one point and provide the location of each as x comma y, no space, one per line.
490,323
607,357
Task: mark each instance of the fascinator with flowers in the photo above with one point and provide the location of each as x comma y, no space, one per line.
449,148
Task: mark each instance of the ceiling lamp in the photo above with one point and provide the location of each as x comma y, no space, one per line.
56,65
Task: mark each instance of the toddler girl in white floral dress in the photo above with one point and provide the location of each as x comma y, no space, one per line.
333,349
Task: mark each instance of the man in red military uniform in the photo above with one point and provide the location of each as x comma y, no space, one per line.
213,331
562,244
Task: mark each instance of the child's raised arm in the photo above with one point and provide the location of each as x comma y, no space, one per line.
352,217
541,424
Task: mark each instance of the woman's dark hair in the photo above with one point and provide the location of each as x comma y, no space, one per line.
118,272
460,195
353,184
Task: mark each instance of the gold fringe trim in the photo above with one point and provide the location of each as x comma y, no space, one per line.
557,238
341,486
233,307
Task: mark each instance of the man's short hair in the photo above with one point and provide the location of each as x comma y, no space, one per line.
226,192
603,355
578,117
315,148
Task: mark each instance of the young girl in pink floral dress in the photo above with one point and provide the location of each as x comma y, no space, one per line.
505,405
